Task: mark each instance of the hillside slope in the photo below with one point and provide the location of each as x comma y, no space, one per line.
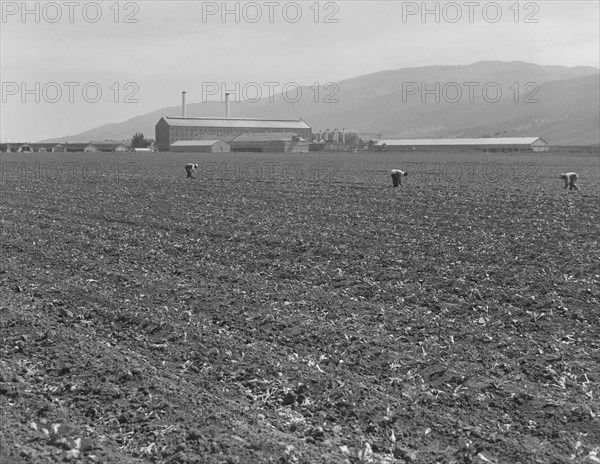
558,103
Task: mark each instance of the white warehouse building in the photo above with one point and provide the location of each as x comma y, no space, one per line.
491,145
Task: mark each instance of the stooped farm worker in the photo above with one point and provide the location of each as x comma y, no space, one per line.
570,179
190,168
397,176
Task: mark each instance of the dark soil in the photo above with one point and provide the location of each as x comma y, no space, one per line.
209,321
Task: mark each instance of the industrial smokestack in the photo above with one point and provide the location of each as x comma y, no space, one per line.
227,106
183,104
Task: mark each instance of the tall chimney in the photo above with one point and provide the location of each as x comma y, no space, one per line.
227,106
183,104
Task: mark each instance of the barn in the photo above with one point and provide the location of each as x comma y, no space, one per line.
74,147
173,129
107,147
201,146
489,145
25,148
43,147
40,147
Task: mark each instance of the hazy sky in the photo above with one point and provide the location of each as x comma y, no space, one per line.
92,63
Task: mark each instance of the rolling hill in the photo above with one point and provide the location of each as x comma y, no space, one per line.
558,103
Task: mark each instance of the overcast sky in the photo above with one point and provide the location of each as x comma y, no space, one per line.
135,57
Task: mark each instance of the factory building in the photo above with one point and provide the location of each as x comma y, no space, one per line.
489,145
173,129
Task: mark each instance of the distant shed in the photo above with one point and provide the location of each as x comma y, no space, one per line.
201,146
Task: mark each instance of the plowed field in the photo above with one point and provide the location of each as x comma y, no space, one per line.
298,309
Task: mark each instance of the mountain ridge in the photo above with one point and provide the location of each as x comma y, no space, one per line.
555,102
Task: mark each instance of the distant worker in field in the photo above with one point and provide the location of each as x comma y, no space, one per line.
191,168
397,176
570,179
